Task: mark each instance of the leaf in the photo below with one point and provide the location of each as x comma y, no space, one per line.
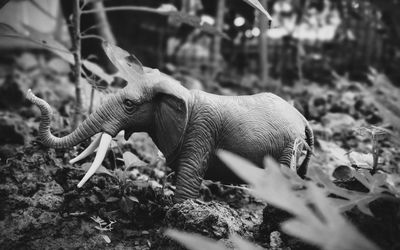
47,42
242,167
131,160
129,67
316,220
112,199
106,238
133,198
320,177
100,170
242,244
50,43
361,160
194,241
257,5
125,205
334,232
97,70
264,183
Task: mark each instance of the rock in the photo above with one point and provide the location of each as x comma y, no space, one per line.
338,122
27,61
212,219
13,129
321,132
49,198
59,66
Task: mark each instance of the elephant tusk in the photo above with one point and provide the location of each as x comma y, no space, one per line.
89,150
101,153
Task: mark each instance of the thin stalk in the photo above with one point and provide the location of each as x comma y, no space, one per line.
126,8
263,44
216,50
76,50
91,99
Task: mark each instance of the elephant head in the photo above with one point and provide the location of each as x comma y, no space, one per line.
151,102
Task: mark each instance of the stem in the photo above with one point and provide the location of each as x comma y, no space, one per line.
216,51
375,156
91,100
263,44
76,50
126,8
92,37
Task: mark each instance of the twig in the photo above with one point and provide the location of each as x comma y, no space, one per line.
76,50
91,100
91,36
126,8
95,26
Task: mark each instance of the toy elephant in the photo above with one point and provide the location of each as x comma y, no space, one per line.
187,126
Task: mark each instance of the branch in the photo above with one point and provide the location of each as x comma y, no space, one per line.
91,36
76,50
126,8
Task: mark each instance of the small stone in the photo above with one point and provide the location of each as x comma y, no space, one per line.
275,240
338,122
27,61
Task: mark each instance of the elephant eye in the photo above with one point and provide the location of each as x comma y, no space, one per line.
129,104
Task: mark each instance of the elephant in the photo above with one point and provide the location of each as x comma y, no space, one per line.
188,126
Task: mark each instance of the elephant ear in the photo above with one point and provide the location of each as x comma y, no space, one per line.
129,67
171,118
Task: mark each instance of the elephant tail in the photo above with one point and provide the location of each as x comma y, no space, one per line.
302,170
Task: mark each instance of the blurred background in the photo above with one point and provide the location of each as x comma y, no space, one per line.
308,39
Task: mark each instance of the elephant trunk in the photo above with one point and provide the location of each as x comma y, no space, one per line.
88,128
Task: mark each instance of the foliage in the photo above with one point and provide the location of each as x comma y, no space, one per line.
103,226
315,219
376,134
47,42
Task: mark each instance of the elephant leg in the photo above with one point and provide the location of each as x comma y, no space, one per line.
190,174
286,157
